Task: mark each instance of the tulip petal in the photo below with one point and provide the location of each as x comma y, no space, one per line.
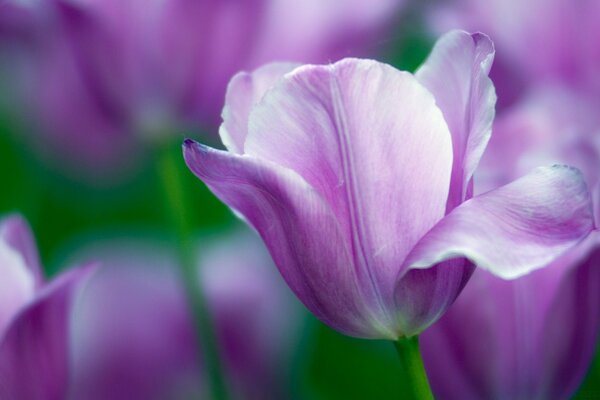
15,231
514,229
288,213
244,91
456,72
34,354
366,136
17,254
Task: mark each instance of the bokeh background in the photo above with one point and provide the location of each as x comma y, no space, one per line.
72,210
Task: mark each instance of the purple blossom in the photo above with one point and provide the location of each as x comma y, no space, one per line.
358,177
34,318
98,76
134,336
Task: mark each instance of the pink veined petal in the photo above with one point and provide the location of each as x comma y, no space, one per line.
516,228
34,354
15,232
244,91
372,142
456,72
301,232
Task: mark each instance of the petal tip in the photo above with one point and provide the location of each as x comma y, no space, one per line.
187,143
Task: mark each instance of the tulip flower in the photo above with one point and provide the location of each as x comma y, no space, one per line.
564,35
134,336
98,77
358,177
534,337
34,318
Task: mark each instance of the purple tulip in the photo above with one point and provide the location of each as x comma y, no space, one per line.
34,319
134,336
534,337
564,35
358,177
98,76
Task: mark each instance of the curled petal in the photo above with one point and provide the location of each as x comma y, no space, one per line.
301,232
514,229
244,91
34,354
456,72
423,295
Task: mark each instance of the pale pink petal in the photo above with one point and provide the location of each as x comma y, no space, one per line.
456,72
516,228
244,91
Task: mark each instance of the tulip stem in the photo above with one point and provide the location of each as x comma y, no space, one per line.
412,363
173,190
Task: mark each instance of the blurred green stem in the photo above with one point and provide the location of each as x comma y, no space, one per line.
171,177
412,364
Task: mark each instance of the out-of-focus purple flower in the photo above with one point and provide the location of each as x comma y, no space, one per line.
358,178
550,124
34,318
534,337
529,338
134,336
538,40
97,75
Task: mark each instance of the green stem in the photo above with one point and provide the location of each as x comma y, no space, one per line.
171,177
412,363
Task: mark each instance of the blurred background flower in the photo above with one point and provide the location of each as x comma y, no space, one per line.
531,338
134,338
34,318
98,78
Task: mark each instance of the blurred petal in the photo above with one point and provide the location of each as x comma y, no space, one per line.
256,315
456,72
529,338
15,232
366,136
515,229
244,91
17,286
551,124
288,213
34,354
133,335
